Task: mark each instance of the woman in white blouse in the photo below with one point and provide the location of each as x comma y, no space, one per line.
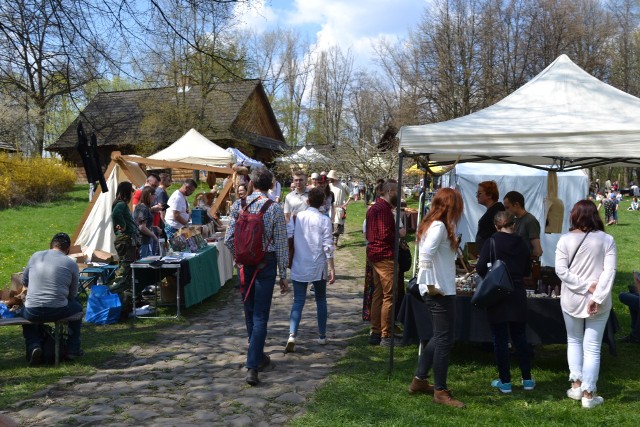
437,280
586,264
313,243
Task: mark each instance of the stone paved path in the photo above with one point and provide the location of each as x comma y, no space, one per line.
194,374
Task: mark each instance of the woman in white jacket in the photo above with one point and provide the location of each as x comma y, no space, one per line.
437,280
586,264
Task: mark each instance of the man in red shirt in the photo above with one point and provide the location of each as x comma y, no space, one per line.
381,237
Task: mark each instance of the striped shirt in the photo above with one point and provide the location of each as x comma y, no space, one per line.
275,230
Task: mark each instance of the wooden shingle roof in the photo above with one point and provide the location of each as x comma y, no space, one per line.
144,116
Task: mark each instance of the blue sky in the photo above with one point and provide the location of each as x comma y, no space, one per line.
351,24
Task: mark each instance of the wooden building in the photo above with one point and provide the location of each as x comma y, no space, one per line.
144,121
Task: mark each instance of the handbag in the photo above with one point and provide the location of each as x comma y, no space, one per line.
103,307
404,257
413,289
496,285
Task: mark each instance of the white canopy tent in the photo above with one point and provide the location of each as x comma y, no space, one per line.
563,118
192,147
305,155
532,183
246,160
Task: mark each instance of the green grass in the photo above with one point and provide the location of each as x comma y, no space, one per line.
361,390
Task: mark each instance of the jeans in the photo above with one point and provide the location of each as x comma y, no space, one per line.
435,352
633,301
500,333
258,306
584,339
146,249
382,300
299,298
31,333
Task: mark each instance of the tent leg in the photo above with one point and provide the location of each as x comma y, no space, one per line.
396,248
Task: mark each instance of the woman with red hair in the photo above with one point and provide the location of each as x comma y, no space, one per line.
436,278
586,264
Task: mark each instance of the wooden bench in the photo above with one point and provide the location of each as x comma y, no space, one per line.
58,329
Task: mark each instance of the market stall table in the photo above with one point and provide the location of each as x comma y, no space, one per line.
198,275
545,324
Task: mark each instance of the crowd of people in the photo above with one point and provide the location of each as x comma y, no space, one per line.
300,236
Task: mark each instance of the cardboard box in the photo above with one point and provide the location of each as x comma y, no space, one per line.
101,256
78,257
75,249
16,282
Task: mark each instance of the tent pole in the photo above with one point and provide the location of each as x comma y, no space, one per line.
396,249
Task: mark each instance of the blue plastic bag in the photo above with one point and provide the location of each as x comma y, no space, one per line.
103,307
5,313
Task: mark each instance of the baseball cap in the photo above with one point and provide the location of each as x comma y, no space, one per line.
315,175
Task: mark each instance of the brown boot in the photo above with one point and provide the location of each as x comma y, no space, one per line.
444,397
420,386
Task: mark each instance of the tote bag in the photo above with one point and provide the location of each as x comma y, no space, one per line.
495,286
103,307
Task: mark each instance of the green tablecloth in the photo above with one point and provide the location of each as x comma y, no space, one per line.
205,280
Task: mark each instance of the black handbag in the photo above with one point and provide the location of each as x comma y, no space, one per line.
496,285
413,289
404,257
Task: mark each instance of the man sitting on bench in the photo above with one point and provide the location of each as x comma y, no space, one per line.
51,279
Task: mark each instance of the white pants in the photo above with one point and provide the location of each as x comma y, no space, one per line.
584,339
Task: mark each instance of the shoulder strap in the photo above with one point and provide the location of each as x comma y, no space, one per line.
577,249
492,250
266,205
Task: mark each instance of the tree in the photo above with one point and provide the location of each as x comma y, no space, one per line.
48,48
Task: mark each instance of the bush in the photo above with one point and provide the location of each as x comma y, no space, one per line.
32,181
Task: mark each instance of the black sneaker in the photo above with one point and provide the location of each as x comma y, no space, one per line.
374,339
266,361
36,356
386,342
252,377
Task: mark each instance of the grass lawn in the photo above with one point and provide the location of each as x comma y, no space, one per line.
361,390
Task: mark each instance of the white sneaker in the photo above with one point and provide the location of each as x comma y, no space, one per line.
322,341
593,402
575,393
291,344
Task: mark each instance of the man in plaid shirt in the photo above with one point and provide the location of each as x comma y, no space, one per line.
381,237
257,304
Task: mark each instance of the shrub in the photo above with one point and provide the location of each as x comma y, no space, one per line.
31,181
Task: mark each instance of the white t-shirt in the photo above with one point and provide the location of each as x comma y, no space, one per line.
437,261
178,204
340,193
296,202
313,246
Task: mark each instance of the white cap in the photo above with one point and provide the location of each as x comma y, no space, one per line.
315,175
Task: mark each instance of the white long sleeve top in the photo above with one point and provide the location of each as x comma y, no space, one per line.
313,245
595,261
436,260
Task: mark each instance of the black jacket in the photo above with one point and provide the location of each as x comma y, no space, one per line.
511,249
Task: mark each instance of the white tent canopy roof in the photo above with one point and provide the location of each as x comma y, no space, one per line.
563,117
192,147
241,157
305,155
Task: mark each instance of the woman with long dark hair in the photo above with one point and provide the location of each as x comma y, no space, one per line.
436,277
586,264
144,218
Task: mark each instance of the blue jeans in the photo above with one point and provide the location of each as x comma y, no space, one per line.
435,352
299,298
633,301
31,333
258,306
500,333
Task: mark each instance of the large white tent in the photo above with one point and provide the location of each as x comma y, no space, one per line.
532,183
192,147
564,118
305,155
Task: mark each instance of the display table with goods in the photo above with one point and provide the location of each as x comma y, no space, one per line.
545,324
187,275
